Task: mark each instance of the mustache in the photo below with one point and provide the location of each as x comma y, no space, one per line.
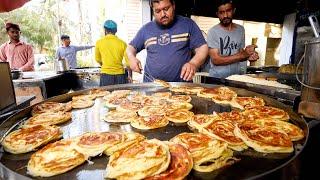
165,17
226,19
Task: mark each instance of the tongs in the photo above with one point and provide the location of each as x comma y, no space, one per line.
158,81
149,76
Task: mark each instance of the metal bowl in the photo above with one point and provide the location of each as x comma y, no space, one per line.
16,74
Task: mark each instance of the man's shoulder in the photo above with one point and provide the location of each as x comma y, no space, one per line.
148,26
239,26
100,40
184,20
215,29
27,44
4,44
121,41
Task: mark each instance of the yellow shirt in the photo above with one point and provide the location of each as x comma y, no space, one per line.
109,52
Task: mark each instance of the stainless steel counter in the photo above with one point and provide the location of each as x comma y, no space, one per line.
36,76
42,84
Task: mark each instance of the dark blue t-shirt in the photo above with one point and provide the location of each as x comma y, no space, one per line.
168,49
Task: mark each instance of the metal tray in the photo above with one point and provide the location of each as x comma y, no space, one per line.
252,165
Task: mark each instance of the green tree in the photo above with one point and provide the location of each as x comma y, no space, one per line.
38,23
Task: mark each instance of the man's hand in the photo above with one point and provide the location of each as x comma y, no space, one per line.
250,49
253,57
249,53
188,71
135,65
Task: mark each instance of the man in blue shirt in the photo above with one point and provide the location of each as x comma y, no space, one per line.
169,41
69,52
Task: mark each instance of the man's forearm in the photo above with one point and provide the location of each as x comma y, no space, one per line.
131,52
225,60
200,56
28,66
80,48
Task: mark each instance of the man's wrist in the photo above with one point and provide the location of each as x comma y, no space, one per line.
194,64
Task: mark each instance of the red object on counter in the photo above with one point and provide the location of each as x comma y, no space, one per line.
9,5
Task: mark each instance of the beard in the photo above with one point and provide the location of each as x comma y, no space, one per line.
226,21
166,25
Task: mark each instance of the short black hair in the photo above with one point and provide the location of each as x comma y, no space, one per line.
157,1
222,2
64,36
112,31
13,26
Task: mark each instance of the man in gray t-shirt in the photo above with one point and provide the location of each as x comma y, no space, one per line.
226,42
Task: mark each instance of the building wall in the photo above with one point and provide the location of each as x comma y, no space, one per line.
133,18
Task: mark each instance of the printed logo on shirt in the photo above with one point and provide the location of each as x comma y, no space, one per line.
164,39
227,46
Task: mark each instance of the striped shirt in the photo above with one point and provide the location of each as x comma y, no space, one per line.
19,55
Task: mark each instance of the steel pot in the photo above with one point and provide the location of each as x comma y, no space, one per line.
16,74
62,65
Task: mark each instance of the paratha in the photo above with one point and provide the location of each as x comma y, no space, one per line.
183,98
201,120
84,97
80,103
119,116
127,139
247,102
143,159
99,92
29,139
263,139
94,143
179,115
164,95
220,95
48,118
55,158
128,106
149,122
208,154
152,110
180,165
294,132
162,83
266,112
224,131
47,106
187,89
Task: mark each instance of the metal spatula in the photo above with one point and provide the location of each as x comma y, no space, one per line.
315,25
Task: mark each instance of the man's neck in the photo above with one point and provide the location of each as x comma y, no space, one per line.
109,34
14,41
229,27
169,25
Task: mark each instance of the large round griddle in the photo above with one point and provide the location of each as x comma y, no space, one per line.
252,165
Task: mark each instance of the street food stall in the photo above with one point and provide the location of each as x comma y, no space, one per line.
213,128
